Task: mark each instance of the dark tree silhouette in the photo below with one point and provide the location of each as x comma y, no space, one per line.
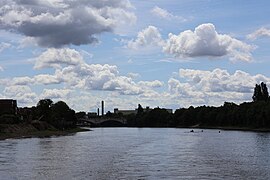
43,109
57,114
265,93
62,116
260,92
140,109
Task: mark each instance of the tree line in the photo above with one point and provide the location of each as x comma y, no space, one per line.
255,114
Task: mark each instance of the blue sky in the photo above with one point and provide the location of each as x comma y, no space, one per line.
170,54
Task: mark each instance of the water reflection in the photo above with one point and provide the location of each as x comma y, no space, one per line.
130,153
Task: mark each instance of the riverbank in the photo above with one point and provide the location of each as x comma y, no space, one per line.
29,131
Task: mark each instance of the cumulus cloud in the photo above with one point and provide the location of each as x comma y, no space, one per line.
133,75
164,14
54,23
40,79
55,93
152,84
74,72
205,41
149,36
21,81
101,77
22,93
214,87
220,80
74,76
47,79
262,32
57,57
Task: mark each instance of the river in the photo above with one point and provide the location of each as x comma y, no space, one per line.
138,153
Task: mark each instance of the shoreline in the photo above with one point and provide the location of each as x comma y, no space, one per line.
41,134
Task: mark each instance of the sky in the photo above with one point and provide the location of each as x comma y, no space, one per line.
156,53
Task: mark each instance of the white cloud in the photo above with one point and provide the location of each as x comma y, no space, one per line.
22,93
21,81
152,84
148,37
57,57
55,94
4,46
133,75
198,87
27,42
58,23
164,14
205,41
1,68
220,80
47,79
75,73
259,33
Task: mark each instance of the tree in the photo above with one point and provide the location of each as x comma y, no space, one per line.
140,109
260,92
265,93
62,115
43,109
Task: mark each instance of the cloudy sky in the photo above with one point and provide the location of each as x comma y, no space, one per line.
172,54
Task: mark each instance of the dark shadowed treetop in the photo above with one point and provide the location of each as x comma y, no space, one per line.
260,92
264,91
140,109
45,103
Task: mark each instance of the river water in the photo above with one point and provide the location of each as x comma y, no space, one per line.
138,153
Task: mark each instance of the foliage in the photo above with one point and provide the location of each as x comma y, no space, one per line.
153,118
43,109
57,114
260,92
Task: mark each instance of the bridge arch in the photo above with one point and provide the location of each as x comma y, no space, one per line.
104,122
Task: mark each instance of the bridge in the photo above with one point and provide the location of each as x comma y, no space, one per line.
102,121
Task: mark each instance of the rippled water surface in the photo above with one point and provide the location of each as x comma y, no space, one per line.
131,153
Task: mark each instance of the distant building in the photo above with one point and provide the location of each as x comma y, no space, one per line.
128,112
8,106
125,112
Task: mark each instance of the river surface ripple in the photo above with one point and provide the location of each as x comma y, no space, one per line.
138,153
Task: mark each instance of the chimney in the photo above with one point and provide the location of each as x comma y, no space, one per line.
97,111
102,108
